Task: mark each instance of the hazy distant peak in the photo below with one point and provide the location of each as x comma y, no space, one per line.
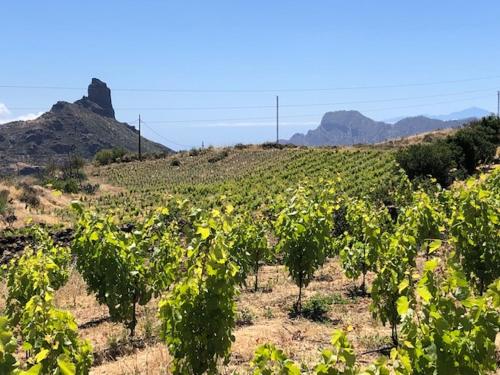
352,127
466,113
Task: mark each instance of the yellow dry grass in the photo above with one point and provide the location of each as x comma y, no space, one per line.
45,213
300,338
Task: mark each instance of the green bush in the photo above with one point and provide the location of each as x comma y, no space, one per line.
218,156
4,200
108,156
317,307
70,186
473,147
240,146
29,195
435,159
175,163
455,156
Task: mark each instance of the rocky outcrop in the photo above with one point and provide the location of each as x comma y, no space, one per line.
351,127
81,128
98,99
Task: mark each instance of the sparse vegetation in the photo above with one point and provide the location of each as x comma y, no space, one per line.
4,201
457,155
108,156
68,177
29,195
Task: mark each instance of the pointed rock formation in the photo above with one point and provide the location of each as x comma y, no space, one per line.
81,128
98,99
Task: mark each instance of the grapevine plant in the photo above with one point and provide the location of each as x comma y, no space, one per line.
198,315
41,269
50,336
475,231
362,243
123,269
304,227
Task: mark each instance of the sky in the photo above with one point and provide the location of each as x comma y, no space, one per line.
210,71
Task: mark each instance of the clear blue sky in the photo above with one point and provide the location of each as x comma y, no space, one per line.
251,45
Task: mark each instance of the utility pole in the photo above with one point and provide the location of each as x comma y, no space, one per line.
140,151
498,104
277,119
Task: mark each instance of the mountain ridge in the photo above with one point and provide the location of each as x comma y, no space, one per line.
83,128
349,127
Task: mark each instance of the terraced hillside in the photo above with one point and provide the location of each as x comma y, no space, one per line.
246,177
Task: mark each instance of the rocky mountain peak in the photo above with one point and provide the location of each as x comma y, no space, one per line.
98,94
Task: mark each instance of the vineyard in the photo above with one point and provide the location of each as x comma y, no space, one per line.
250,177
263,261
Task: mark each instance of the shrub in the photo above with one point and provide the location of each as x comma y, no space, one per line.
194,151
108,156
435,159
4,201
271,145
465,150
473,148
29,195
218,156
90,188
244,317
175,163
316,308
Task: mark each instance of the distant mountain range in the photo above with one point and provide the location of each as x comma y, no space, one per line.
81,128
351,127
472,112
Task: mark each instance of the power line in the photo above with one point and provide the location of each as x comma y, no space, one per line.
304,115
282,105
162,137
412,84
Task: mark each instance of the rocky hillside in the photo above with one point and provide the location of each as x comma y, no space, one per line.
82,128
351,127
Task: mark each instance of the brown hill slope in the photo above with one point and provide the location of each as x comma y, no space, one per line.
80,128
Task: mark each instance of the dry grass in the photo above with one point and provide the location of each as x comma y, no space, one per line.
300,338
270,323
45,213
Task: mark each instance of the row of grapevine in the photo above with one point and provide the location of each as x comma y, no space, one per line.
443,314
49,336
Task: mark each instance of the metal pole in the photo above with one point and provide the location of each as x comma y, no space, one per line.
140,151
277,119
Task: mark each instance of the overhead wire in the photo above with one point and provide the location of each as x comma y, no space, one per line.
276,90
283,105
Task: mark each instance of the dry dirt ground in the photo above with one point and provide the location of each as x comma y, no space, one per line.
267,310
53,208
46,212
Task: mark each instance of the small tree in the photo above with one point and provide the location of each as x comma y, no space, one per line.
450,330
250,248
51,335
474,226
198,315
434,159
116,265
303,228
362,240
38,270
394,278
